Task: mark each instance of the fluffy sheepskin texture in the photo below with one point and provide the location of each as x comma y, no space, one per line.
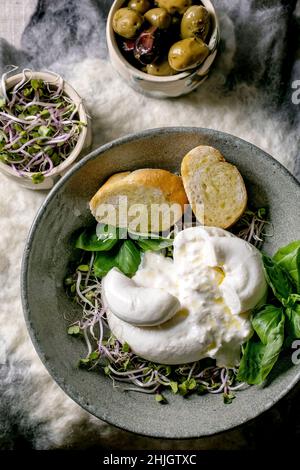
249,94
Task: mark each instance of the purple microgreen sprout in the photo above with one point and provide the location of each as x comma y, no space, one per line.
39,125
251,226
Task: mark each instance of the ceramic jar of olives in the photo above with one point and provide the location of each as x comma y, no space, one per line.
156,44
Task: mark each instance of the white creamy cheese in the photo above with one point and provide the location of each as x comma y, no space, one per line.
141,306
217,278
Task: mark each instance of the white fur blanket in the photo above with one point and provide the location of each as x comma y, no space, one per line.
249,94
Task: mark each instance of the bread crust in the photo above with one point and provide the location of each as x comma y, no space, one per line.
117,177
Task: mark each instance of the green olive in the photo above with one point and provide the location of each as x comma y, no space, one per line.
195,22
158,17
141,6
187,54
160,69
127,22
174,6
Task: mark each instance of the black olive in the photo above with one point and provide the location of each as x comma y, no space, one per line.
147,46
127,45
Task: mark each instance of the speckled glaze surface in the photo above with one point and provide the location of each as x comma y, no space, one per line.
48,253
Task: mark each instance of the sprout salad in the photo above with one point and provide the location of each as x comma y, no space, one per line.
39,125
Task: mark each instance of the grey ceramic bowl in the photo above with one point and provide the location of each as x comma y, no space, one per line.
48,253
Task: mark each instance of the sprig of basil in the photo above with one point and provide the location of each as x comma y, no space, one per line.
288,257
262,350
274,326
278,278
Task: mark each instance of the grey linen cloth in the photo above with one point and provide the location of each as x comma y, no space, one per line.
264,70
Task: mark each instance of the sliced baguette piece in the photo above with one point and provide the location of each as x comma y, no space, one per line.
215,188
145,200
114,178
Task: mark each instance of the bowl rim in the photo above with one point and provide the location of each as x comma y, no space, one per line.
52,77
25,265
113,48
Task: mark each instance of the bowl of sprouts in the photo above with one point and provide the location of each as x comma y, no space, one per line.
177,326
43,127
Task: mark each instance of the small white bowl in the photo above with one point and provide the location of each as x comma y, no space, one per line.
162,87
83,143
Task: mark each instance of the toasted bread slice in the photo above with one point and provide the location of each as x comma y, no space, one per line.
146,200
215,188
114,178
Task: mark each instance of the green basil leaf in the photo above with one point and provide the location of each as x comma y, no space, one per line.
150,241
89,241
105,232
292,300
128,258
104,261
258,361
289,258
251,363
262,351
265,322
278,278
154,244
293,317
